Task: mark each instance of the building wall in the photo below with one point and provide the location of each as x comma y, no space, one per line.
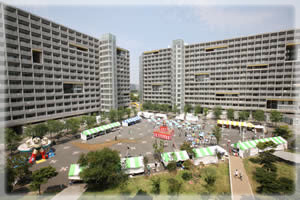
245,73
53,71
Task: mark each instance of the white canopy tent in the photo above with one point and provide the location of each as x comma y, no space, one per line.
133,165
249,148
191,117
174,156
207,155
146,115
163,116
74,171
180,117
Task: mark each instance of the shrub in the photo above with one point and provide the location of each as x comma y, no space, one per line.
155,185
172,166
187,164
187,176
209,175
174,186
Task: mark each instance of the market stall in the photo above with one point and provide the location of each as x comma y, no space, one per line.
207,155
131,121
235,123
163,132
74,172
174,156
133,165
101,130
249,148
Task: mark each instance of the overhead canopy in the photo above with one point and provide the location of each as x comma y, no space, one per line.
134,162
178,156
133,119
74,171
101,128
253,143
235,123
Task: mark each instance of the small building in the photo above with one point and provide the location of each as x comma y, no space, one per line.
131,121
133,165
248,148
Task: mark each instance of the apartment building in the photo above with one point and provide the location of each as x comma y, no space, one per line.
245,73
50,71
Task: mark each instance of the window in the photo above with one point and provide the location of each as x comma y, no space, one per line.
36,56
70,88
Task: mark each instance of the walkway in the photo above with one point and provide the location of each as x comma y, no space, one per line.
240,189
288,156
72,192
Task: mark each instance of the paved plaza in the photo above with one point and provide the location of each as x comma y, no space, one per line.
138,138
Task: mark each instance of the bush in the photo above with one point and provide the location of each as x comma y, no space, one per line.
155,185
174,186
187,164
209,175
172,166
187,176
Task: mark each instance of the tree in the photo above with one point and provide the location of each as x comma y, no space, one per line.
112,115
217,133
283,131
42,176
134,111
40,130
259,115
266,158
175,109
217,112
267,180
10,177
128,112
230,114
187,147
155,185
205,112
158,149
244,115
174,186
90,121
103,169
209,175
172,166
72,125
12,139
120,114
198,109
187,108
275,116
187,176
54,126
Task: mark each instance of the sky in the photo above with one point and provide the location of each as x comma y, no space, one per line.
141,27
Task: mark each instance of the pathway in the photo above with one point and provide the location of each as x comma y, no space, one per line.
240,189
72,192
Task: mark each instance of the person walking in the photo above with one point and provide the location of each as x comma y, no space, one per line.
155,166
116,138
148,169
236,173
241,177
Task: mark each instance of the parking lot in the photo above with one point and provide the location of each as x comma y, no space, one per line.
137,138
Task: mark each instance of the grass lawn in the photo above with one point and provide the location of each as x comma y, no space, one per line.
195,186
283,170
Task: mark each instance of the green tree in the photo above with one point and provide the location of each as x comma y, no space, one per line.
275,116
12,139
198,109
217,133
267,180
209,176
72,125
175,109
244,115
10,177
259,115
174,186
112,115
187,147
41,176
283,131
103,169
120,114
217,112
187,176
187,108
266,157
40,130
230,114
205,112
172,166
134,111
90,121
155,182
158,149
128,112
55,126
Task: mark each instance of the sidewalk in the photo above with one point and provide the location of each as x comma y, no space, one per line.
241,189
72,192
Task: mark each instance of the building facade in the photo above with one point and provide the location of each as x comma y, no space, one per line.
51,71
245,73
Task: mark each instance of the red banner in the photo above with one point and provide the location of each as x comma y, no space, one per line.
162,136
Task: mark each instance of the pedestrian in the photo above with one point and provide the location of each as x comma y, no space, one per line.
149,169
155,166
241,177
116,138
236,173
